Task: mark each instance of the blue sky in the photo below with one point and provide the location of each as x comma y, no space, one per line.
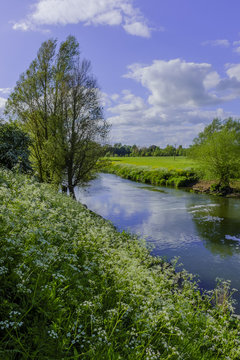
166,68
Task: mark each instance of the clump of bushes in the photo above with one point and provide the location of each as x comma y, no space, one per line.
72,287
14,147
177,178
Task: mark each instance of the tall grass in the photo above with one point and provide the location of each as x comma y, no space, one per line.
72,287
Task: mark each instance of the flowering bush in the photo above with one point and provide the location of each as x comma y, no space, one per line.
72,287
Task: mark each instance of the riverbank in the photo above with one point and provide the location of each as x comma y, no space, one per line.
148,175
186,178
208,187
75,288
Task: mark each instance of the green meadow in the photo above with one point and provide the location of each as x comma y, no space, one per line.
169,171
155,162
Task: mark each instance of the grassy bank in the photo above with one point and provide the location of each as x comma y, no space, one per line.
161,171
152,175
72,287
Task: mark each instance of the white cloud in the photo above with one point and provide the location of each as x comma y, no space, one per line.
222,43
90,12
127,109
236,46
135,121
237,49
182,99
23,26
2,102
211,80
2,105
176,83
5,91
137,28
233,71
229,87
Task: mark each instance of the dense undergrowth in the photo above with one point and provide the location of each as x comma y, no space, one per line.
147,175
72,287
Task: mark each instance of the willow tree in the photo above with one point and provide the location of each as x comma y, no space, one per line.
57,103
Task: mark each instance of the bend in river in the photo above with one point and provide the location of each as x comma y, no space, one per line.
204,231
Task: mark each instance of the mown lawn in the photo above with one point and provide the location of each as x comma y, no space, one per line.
154,162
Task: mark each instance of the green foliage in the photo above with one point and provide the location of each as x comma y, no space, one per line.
72,287
14,147
127,150
177,178
56,101
217,149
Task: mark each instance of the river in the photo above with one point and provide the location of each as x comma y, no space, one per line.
203,231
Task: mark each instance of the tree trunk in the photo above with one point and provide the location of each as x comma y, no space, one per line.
64,189
71,191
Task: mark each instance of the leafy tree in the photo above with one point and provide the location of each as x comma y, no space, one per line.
14,147
34,102
217,149
84,126
57,102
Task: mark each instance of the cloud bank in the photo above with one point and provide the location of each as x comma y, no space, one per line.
90,12
177,83
182,97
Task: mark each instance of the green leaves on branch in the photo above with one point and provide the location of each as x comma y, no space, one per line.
57,103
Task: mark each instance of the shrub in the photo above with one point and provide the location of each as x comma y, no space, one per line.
14,147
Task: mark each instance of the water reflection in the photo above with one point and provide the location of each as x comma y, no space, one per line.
167,217
218,226
203,231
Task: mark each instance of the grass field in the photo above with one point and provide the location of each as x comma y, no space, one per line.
166,162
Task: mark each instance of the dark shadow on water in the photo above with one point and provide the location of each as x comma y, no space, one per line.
152,189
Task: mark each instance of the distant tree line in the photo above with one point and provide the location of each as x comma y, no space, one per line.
127,150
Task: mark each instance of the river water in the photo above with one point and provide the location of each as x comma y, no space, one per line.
203,231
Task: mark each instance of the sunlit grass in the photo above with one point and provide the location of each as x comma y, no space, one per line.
154,162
